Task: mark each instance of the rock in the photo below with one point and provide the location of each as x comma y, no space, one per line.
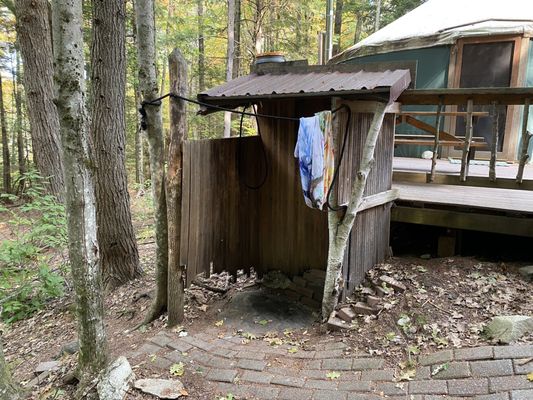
115,380
161,388
382,292
509,328
393,283
373,301
47,366
346,314
38,380
336,324
527,272
362,308
425,256
70,348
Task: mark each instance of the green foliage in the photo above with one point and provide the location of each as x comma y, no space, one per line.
36,226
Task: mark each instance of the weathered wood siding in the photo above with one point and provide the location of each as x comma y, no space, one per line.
231,227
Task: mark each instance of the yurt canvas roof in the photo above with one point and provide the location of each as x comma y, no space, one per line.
442,22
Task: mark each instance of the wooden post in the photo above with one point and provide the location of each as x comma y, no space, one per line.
468,140
526,137
494,146
437,142
178,134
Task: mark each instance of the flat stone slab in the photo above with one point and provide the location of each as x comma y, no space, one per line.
247,308
161,388
47,367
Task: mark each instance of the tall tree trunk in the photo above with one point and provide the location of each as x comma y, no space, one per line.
378,15
340,223
148,85
177,67
6,161
67,21
337,27
8,389
18,127
230,56
358,27
34,34
201,46
258,37
139,148
119,256
237,40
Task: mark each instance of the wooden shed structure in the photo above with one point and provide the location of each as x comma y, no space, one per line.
243,205
460,44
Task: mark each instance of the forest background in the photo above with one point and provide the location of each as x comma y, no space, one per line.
199,28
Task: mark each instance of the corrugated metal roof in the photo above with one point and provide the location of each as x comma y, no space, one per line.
317,80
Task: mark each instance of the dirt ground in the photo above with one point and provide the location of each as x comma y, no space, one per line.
447,303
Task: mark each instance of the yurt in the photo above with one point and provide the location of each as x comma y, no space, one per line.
460,44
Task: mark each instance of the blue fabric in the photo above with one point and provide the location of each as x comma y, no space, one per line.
310,153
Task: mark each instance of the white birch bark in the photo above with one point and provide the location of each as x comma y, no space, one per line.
340,223
67,22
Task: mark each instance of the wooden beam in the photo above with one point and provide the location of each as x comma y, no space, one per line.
445,113
379,199
464,220
468,139
437,140
475,181
480,96
494,145
526,137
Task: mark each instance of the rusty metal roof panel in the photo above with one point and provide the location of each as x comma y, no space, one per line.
320,81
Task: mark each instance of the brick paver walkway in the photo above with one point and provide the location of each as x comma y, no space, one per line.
259,371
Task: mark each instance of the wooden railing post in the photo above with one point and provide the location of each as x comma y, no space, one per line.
494,146
468,140
437,141
524,146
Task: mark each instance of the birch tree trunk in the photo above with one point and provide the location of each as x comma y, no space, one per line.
80,204
144,12
340,223
8,389
177,67
230,55
119,256
6,161
34,35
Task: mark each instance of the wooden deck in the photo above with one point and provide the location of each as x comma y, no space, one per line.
515,201
477,204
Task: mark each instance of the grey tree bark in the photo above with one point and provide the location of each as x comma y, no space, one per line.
8,389
144,12
340,223
237,40
119,256
34,35
378,16
67,21
177,67
6,161
230,56
337,26
18,124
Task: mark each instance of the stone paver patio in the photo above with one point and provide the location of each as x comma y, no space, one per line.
257,370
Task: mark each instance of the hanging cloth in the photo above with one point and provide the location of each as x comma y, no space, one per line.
314,150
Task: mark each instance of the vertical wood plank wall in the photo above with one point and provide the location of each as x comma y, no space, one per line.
229,226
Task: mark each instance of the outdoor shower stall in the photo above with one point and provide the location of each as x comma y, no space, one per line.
243,205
